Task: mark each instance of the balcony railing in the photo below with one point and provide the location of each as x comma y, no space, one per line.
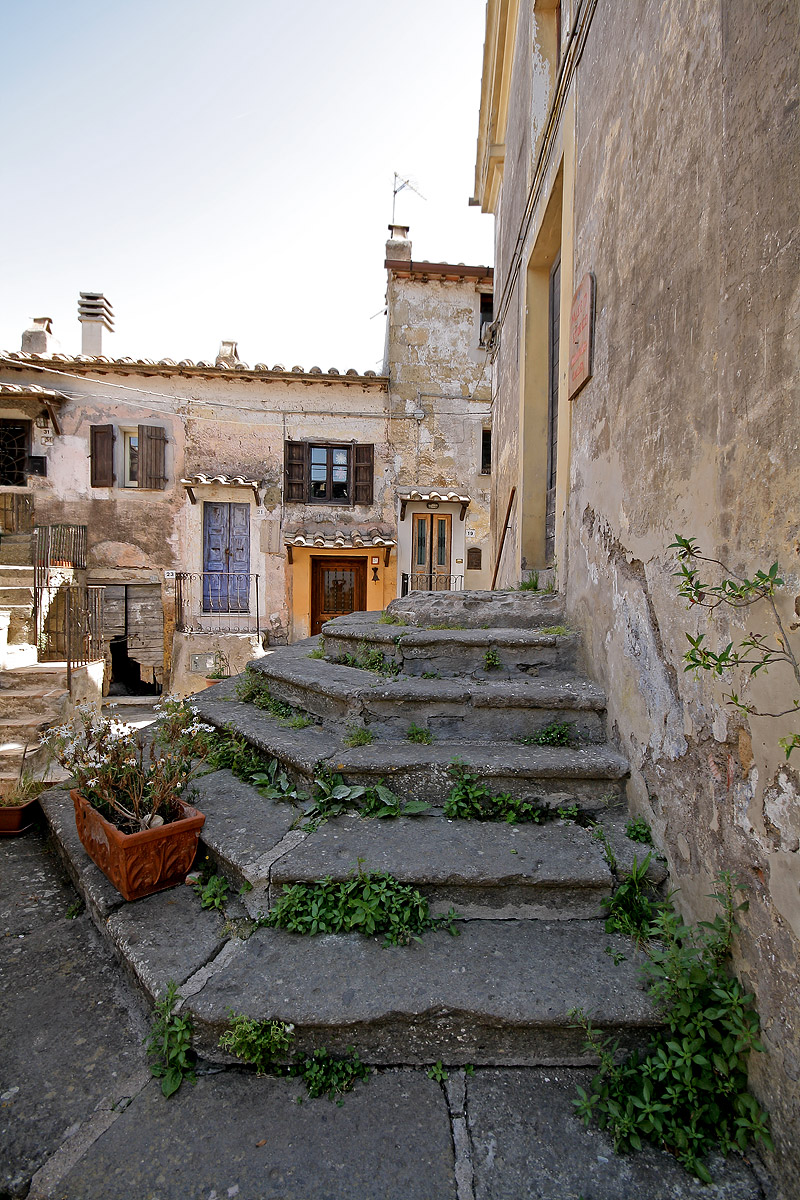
216,602
430,583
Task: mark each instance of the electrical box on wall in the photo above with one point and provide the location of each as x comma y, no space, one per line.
202,664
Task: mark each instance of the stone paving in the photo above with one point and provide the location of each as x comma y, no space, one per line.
81,1118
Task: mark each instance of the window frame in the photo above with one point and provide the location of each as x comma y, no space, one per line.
330,449
127,433
298,483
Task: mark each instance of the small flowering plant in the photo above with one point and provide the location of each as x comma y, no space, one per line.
132,779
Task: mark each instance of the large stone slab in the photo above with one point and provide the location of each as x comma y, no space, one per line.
165,937
233,1135
509,610
482,869
244,833
590,776
527,1142
69,1034
499,993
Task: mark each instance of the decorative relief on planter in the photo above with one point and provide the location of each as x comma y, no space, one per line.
139,864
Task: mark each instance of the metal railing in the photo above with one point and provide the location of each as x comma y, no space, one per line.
430,583
69,624
216,602
60,546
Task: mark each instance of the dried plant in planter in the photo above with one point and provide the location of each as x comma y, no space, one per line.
133,780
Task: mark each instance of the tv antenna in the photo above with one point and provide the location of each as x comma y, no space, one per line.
399,185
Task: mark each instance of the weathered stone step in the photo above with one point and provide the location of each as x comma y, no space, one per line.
453,652
43,701
22,729
449,708
15,594
475,610
591,776
43,674
500,993
483,869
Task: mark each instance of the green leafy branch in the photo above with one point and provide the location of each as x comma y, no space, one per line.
756,652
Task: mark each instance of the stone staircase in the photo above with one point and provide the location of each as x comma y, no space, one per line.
32,695
532,946
16,585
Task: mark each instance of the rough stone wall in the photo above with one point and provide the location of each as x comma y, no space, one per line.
437,366
686,209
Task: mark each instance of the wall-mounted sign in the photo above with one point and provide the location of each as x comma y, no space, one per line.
470,533
581,335
169,574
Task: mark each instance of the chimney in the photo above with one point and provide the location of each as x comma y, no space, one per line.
94,313
398,247
228,354
38,339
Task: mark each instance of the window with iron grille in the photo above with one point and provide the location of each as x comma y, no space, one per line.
328,472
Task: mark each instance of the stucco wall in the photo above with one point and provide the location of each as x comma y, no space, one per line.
437,367
685,206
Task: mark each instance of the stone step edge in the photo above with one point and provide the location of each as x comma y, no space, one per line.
297,749
277,975
352,684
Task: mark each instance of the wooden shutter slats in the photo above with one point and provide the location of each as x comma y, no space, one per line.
101,455
363,474
152,457
295,458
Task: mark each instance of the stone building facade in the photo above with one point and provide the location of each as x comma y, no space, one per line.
230,507
644,173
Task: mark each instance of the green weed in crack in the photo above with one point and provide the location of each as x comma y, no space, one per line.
169,1045
471,800
266,1045
366,902
557,733
687,1092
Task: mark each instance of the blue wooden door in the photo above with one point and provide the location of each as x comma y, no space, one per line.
226,557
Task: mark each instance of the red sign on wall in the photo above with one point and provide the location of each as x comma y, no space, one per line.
581,335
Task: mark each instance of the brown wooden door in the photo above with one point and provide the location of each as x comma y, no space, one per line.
338,587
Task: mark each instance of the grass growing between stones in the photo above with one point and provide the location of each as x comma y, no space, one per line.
366,902
253,689
358,735
557,733
687,1093
266,1043
366,659
419,735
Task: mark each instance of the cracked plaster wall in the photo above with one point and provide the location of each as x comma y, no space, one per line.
686,209
685,206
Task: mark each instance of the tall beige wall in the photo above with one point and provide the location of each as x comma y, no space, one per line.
685,204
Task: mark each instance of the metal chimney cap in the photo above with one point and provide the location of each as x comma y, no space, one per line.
93,306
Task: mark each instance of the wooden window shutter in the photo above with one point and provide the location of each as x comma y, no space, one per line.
294,457
363,475
152,457
101,454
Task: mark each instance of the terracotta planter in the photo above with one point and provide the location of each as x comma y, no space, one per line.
139,864
16,818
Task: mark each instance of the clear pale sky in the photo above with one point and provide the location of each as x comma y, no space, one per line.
225,171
